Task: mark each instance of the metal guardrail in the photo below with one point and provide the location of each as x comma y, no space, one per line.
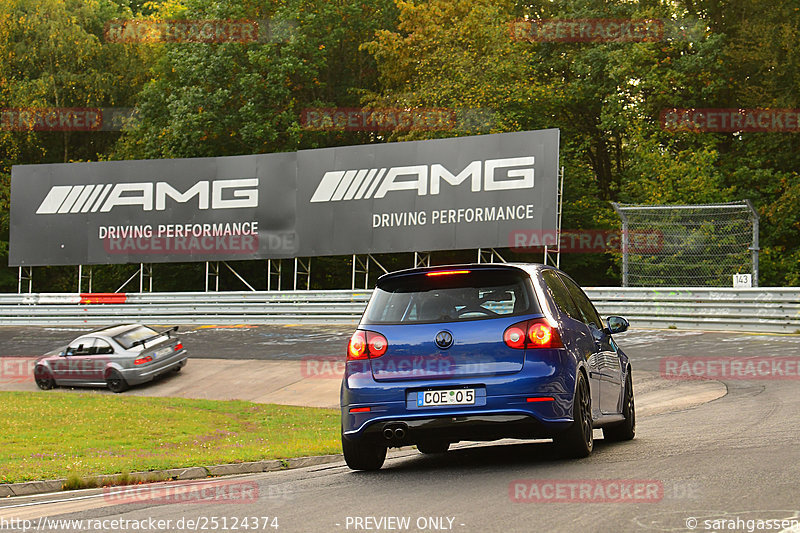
755,310
344,306
775,310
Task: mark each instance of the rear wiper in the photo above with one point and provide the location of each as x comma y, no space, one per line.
157,335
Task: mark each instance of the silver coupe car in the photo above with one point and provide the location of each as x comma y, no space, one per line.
115,357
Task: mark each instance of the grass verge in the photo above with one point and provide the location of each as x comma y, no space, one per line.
65,435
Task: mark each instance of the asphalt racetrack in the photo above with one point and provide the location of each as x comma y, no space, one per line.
708,456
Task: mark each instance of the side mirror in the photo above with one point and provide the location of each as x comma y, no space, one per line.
616,324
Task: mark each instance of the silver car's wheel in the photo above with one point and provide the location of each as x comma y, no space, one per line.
115,382
44,379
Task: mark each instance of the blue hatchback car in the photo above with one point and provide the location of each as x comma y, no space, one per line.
482,352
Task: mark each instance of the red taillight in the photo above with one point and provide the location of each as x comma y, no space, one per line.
541,399
376,343
447,272
143,360
540,334
359,409
536,333
178,346
515,336
357,348
366,345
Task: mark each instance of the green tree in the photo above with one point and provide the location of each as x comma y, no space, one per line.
240,98
607,99
54,55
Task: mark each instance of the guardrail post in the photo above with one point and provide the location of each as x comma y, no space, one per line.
559,210
302,269
274,269
145,272
212,271
489,256
754,249
87,276
25,274
360,266
623,242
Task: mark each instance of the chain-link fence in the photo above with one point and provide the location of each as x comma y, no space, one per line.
688,245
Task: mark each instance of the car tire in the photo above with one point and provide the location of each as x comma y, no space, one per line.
44,379
578,441
115,382
363,455
625,430
433,446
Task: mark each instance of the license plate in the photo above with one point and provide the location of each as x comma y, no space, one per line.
430,398
163,351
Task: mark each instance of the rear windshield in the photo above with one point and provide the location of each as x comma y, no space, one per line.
474,295
127,339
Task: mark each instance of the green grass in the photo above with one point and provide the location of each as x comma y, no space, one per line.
57,435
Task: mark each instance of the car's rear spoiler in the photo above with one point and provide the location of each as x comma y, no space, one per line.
166,332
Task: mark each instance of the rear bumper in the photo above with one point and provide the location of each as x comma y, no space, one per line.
136,376
491,417
479,427
504,404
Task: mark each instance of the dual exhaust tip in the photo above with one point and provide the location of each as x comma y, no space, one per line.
394,432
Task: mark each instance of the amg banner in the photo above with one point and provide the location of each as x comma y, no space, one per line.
153,211
444,194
